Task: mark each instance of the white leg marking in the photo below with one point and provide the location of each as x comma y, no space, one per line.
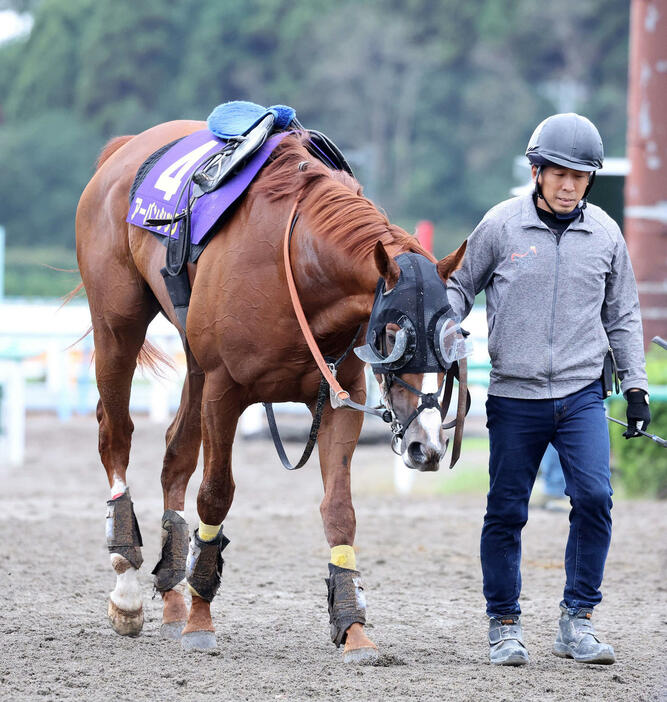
127,593
118,487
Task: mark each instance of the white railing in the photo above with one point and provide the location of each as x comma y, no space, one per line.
46,366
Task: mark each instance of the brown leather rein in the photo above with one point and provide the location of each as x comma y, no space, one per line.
341,397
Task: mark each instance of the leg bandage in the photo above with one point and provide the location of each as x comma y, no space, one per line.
123,535
208,532
204,565
170,569
344,557
347,602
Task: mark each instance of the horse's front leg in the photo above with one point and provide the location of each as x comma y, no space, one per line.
337,440
220,413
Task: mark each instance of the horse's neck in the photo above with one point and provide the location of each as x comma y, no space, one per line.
337,291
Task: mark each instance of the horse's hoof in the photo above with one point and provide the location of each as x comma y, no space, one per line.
172,630
125,623
361,656
199,641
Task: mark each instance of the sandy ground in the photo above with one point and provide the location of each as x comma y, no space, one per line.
418,555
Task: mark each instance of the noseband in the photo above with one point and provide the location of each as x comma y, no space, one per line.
429,400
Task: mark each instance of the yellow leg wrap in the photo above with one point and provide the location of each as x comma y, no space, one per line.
343,557
208,532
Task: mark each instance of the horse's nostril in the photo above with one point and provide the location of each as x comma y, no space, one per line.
416,452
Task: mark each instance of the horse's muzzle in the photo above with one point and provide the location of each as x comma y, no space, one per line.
424,456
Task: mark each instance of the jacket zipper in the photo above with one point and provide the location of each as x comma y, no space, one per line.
553,315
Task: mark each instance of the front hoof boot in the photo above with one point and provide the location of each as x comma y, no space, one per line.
172,630
125,623
199,641
361,656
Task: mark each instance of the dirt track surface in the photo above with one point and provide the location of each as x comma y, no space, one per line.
418,555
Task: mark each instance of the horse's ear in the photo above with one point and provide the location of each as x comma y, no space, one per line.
451,263
388,268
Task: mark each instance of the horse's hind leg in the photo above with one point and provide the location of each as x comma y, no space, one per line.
180,461
118,340
347,604
220,413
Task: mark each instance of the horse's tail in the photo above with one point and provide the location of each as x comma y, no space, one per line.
150,357
111,147
153,358
71,294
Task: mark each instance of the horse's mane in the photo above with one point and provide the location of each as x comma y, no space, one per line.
331,201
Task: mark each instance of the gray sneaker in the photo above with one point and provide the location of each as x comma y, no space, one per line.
506,641
578,639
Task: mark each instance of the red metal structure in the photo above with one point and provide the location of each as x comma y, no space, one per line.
424,234
646,184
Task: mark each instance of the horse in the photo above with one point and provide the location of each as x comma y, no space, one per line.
243,344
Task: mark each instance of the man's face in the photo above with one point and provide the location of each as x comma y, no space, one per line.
562,187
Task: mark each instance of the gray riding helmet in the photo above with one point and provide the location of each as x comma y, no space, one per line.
568,140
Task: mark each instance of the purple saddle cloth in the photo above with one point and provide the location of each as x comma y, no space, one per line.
160,195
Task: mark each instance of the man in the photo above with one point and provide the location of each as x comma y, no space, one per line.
559,293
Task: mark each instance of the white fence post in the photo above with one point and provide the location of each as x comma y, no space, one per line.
13,411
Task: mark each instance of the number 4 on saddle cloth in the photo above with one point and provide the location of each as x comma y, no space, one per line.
183,190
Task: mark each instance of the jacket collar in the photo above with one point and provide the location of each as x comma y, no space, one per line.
530,219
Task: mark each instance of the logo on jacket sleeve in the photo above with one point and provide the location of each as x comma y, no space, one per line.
518,257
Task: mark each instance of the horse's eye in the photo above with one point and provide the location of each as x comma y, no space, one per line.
390,336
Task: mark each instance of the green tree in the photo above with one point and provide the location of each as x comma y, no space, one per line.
46,164
430,99
132,55
48,60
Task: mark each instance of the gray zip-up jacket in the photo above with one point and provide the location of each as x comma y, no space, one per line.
553,309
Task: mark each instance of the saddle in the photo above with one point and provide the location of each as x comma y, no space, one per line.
241,136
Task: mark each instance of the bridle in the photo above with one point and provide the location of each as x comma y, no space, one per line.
341,398
429,400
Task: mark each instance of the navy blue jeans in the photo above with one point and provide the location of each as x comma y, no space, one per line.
519,431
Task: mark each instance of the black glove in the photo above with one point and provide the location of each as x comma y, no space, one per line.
637,413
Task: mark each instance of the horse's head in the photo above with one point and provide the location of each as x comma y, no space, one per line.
412,341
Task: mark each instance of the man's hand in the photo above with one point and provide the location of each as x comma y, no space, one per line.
638,413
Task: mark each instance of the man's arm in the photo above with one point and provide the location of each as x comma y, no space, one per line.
622,321
476,272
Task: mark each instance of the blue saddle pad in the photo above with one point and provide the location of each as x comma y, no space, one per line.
236,118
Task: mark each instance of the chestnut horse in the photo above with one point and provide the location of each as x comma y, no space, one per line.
243,345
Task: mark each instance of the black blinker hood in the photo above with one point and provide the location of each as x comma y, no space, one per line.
420,295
